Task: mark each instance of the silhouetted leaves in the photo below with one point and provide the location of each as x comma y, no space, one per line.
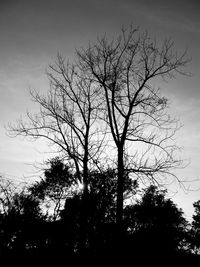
156,223
57,184
195,229
21,224
153,225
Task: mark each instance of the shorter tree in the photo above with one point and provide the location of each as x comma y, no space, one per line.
20,221
195,229
156,222
57,184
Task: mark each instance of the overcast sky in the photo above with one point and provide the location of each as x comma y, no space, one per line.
31,34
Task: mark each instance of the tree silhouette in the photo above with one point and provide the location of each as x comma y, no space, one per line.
195,229
67,120
21,224
136,113
57,184
158,226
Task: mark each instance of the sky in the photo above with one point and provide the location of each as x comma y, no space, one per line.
33,32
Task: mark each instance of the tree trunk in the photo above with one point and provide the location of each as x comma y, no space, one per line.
84,207
120,189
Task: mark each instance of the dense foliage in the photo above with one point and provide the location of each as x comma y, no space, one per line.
153,224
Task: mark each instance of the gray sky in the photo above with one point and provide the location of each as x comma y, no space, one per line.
31,34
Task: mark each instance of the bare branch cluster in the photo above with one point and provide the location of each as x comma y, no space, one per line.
107,98
135,111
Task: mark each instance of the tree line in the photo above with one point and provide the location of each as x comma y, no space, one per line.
43,219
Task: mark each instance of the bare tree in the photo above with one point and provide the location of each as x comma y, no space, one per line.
135,111
67,119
